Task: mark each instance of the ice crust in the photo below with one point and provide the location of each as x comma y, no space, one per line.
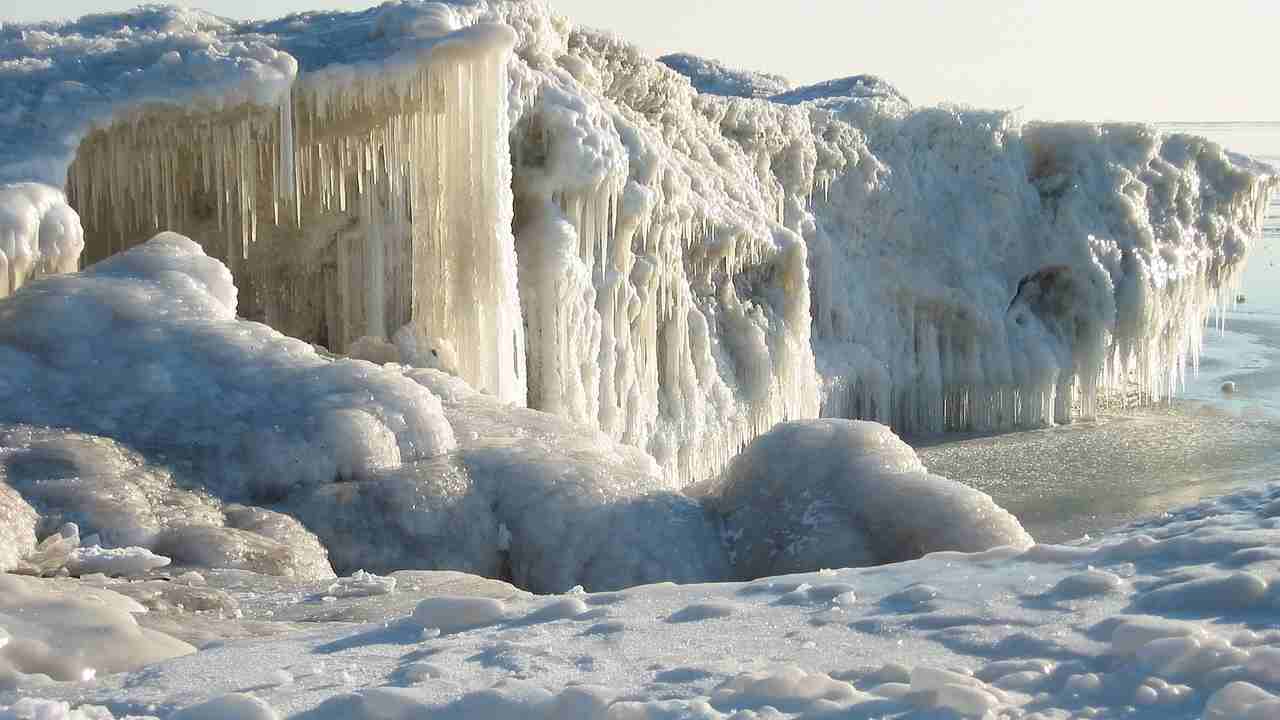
686,269
1123,626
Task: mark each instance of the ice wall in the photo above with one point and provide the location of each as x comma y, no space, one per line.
1050,265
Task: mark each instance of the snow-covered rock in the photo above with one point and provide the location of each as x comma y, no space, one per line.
838,493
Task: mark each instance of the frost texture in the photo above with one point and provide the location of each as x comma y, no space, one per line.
837,493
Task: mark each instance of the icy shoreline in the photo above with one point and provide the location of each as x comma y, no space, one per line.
1168,619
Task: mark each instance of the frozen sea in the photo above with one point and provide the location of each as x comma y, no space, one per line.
1067,482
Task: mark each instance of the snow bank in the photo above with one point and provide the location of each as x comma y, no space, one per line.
145,348
1168,619
714,78
837,493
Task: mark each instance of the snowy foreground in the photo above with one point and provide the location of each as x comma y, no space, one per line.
1172,619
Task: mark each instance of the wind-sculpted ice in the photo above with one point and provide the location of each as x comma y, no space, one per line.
585,233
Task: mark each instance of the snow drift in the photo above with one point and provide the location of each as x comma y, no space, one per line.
580,230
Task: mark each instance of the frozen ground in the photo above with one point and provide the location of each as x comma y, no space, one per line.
1169,619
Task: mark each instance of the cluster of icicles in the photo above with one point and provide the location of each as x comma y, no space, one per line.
367,204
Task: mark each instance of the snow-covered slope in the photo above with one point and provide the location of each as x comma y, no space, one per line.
575,227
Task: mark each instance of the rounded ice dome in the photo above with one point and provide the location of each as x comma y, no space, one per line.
841,493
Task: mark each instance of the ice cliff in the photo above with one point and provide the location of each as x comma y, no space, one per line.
567,224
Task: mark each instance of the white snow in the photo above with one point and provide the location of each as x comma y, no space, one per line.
1118,627
837,493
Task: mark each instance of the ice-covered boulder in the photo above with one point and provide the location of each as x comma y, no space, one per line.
39,234
145,348
594,237
837,493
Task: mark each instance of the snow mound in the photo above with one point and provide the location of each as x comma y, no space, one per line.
838,493
145,348
118,499
527,496
715,78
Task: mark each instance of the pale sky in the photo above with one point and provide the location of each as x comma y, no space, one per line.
1079,59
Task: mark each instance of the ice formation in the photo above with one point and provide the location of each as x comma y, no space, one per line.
838,493
578,229
714,78
144,347
39,234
